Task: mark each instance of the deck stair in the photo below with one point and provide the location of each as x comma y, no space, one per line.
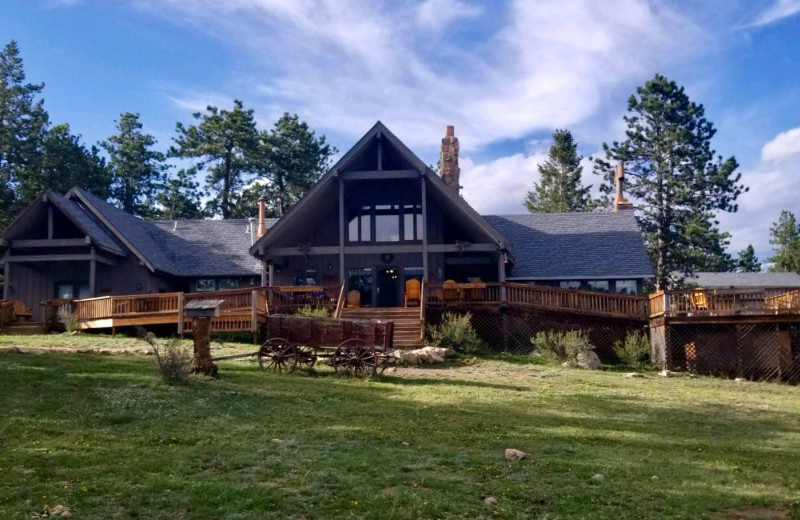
407,323
23,329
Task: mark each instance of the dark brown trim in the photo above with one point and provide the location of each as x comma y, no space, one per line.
55,242
380,175
384,248
59,258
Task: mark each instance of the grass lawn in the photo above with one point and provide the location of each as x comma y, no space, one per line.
103,436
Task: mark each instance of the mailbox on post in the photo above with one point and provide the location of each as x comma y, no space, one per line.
203,308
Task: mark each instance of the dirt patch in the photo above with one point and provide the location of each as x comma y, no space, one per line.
754,513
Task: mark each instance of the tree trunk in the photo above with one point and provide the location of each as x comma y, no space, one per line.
202,364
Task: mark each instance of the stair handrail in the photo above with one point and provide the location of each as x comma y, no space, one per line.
339,303
422,311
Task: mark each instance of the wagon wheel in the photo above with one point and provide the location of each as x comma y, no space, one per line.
277,355
354,357
306,356
385,361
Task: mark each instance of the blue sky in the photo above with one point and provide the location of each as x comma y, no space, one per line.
505,73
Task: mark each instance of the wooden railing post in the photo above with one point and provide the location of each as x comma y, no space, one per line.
254,313
181,299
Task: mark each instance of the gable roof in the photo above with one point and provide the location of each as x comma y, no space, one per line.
76,214
180,248
726,280
558,246
380,131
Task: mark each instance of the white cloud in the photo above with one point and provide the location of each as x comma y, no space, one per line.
437,14
498,187
774,184
784,146
779,10
342,64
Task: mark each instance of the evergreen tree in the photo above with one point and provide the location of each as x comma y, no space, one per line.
785,239
560,188
23,123
138,172
181,198
291,159
224,144
706,245
674,176
63,163
747,261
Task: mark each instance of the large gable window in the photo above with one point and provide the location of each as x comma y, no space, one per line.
385,223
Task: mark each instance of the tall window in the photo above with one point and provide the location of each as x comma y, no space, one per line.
360,227
387,223
412,222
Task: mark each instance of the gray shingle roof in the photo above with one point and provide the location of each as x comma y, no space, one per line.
574,245
210,247
725,280
99,235
191,248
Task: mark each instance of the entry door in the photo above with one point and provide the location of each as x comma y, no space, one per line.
386,283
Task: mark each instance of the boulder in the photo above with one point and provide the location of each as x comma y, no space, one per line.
598,477
513,455
588,360
425,355
668,373
490,501
630,375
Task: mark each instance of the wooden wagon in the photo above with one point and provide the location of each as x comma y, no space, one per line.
358,348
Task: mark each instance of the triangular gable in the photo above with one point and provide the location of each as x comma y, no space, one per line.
82,221
354,156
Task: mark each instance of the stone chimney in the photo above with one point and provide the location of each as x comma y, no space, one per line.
620,203
262,212
450,171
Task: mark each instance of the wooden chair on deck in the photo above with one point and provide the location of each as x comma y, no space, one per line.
412,293
699,299
353,299
449,291
476,293
22,311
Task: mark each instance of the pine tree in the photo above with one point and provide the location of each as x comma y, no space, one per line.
138,171
785,239
181,198
224,144
63,163
23,124
560,188
673,175
748,262
291,160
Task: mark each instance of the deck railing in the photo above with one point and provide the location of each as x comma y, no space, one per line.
286,299
94,308
725,302
6,312
53,310
536,296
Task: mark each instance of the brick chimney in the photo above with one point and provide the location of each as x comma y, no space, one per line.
620,203
262,212
450,171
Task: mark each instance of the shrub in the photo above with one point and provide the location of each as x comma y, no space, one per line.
312,312
564,346
634,350
69,320
174,360
456,332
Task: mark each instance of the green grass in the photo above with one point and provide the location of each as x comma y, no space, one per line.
105,437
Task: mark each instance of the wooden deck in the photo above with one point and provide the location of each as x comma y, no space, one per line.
243,310
535,297
721,305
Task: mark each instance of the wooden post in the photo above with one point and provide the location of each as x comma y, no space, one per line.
202,364
271,275
92,274
424,190
501,277
254,315
180,314
264,273
341,229
50,222
7,278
